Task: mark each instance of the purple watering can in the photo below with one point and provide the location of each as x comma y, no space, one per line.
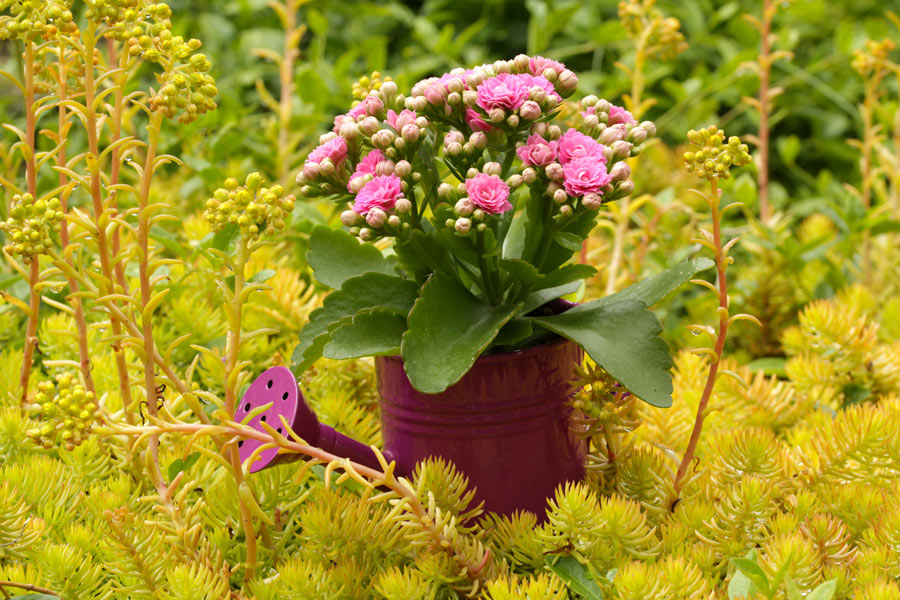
507,424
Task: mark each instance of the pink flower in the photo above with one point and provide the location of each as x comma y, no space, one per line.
503,91
539,64
475,121
537,152
489,193
398,121
448,77
334,149
357,111
574,144
617,115
539,81
585,175
382,192
367,166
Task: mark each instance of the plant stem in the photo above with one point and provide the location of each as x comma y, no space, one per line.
144,215
286,74
765,64
74,299
29,587
721,266
232,371
34,274
115,163
486,274
100,216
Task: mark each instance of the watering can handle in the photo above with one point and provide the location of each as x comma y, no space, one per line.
278,387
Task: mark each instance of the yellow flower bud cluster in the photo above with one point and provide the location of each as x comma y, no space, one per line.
711,156
123,17
873,58
664,38
30,19
186,88
30,225
66,418
250,206
367,84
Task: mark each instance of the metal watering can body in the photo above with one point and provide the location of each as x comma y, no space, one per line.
507,424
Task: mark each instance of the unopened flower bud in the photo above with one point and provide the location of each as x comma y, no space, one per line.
529,175
591,123
310,172
357,183
366,235
464,207
388,91
454,98
513,121
369,126
602,106
445,191
621,149
592,201
649,127
456,86
620,172
410,132
402,206
394,221
496,115
385,167
454,148
349,131
522,63
471,173
492,168
418,104
589,101
349,218
470,98
550,74
326,167
478,140
612,134
403,168
383,138
436,95
478,214
568,81
327,137
626,188
554,171
554,132
514,181
475,78
463,225
539,128
560,196
637,135
565,210
501,66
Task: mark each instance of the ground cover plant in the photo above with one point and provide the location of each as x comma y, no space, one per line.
169,183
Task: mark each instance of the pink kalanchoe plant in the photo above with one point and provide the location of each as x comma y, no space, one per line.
485,196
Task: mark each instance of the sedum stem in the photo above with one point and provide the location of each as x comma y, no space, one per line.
31,340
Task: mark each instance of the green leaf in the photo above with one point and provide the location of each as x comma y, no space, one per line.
824,591
262,276
576,577
566,274
169,240
652,290
335,256
448,329
224,238
523,272
514,331
541,297
855,393
371,332
569,241
793,592
8,280
356,294
622,337
754,572
741,587
179,465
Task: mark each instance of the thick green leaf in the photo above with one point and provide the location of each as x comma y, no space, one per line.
770,365
448,329
356,294
539,298
652,290
371,332
8,280
566,274
568,240
623,338
336,256
576,577
262,276
523,272
514,331
225,237
179,465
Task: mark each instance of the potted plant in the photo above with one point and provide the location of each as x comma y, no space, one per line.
465,203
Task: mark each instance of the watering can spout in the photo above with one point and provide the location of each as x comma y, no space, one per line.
279,387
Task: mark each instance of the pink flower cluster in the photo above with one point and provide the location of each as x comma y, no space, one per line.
585,175
334,150
509,92
574,144
537,152
489,193
382,192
